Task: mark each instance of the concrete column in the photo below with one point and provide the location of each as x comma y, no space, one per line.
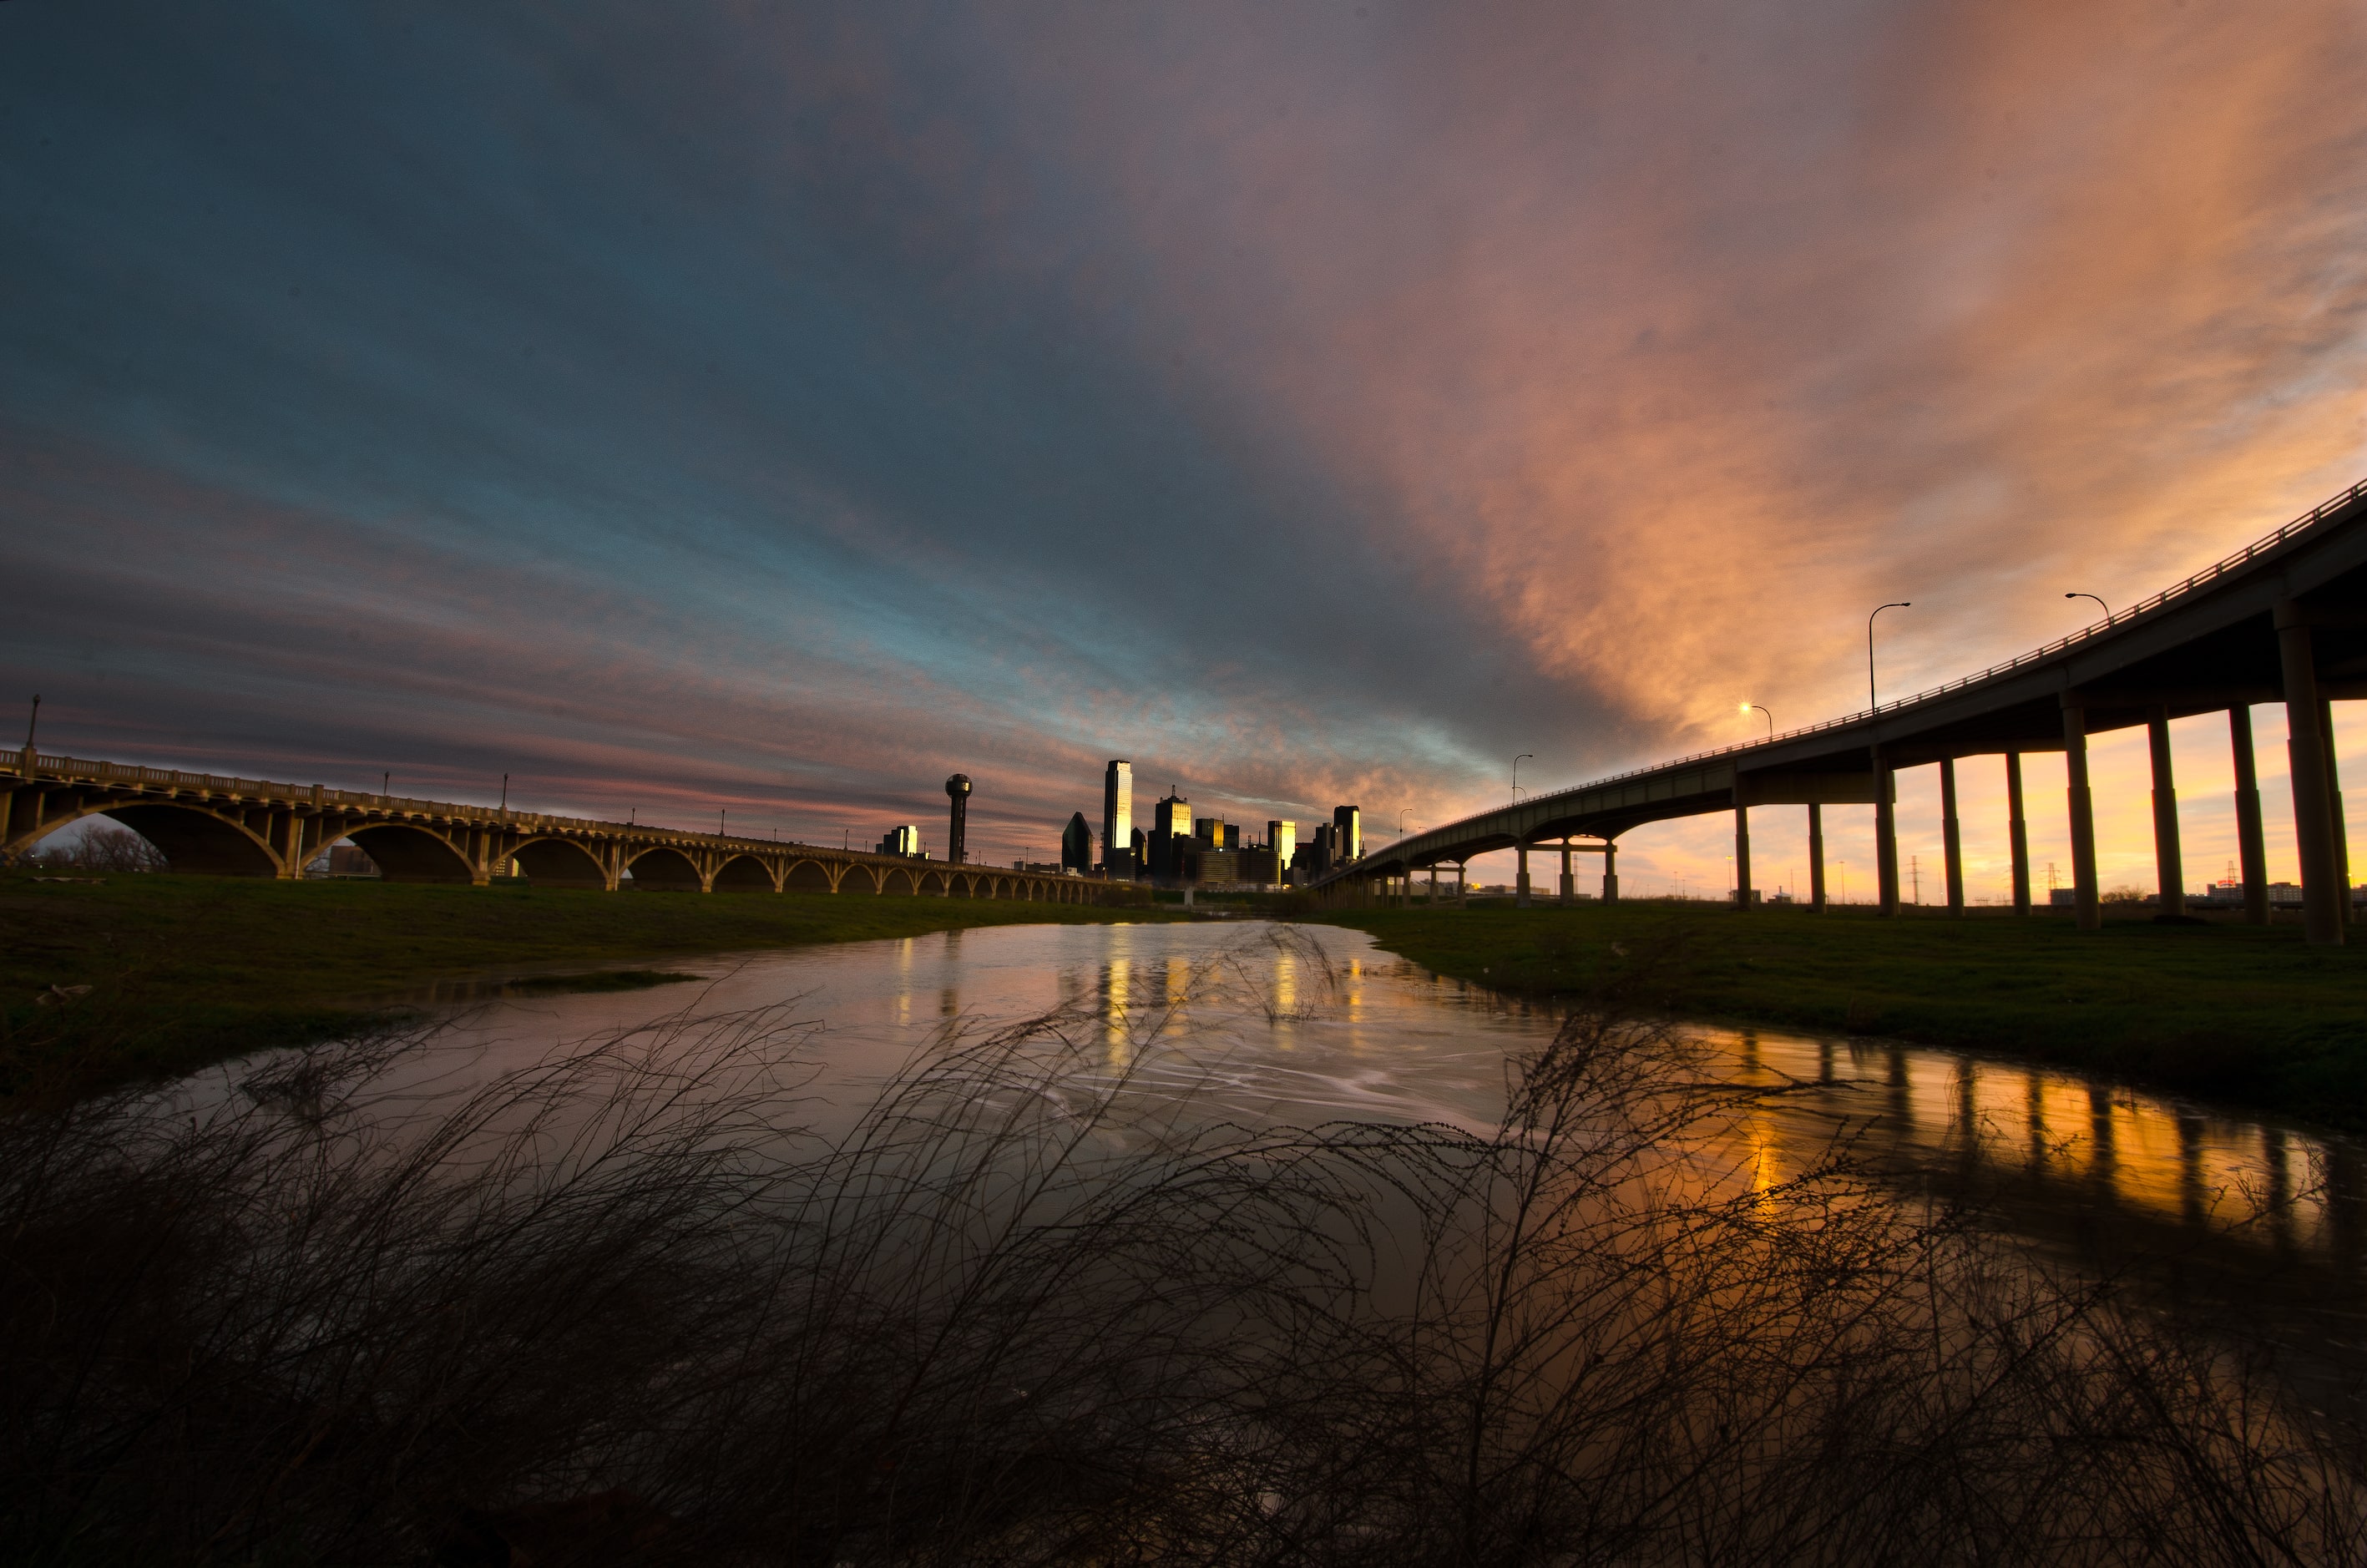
1431,902
2251,845
2322,889
1885,838
2168,864
1952,843
2334,809
2090,910
1523,885
1569,887
1816,858
1743,856
1610,872
1459,888
2016,832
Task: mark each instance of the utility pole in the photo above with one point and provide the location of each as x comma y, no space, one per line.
1915,874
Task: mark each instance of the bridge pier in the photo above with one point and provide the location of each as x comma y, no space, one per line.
2251,845
2017,832
1569,887
1523,900
1952,843
2090,915
1460,900
2342,825
1886,838
2169,862
1610,872
1432,901
2322,894
1815,858
1742,858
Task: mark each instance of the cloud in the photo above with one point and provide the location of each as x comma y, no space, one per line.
785,408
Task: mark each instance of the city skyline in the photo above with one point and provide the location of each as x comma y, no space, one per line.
773,416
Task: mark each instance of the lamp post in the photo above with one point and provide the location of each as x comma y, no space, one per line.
1401,816
506,794
1750,707
1524,757
1872,701
32,723
2107,608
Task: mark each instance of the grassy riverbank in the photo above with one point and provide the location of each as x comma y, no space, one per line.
182,971
2234,1013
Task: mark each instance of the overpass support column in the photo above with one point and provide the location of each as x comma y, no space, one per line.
1952,841
1523,885
1432,901
1816,860
1743,856
1610,872
2016,832
1885,838
1569,887
2090,913
2335,812
2251,845
1459,885
2322,894
2169,863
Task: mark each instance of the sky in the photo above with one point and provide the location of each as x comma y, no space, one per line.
773,409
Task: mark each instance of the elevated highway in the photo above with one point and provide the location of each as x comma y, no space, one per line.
251,827
2284,619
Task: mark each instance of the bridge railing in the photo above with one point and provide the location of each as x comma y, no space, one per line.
2112,622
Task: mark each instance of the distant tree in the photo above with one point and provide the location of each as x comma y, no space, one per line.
105,847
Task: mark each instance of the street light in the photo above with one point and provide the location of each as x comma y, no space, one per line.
1872,702
1524,757
2108,609
1771,717
1401,816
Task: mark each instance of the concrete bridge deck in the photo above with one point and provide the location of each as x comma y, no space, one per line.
251,827
2282,621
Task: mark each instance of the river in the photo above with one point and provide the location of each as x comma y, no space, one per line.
2193,1204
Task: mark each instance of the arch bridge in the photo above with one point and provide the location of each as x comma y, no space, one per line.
2282,621
248,827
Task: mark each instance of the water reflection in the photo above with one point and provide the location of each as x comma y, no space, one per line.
1312,1024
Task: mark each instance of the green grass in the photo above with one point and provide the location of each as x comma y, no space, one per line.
2236,1013
183,971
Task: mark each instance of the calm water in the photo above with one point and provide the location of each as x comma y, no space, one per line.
2213,1208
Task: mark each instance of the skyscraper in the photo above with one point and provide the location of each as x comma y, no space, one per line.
1350,822
957,835
1077,844
1282,837
1117,817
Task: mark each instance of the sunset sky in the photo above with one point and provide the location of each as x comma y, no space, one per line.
778,407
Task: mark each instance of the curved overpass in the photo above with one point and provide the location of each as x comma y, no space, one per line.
2282,621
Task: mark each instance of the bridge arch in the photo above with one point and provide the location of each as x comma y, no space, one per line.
560,863
661,868
811,876
405,852
191,838
897,883
744,873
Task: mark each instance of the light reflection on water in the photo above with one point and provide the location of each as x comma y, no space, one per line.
2247,1209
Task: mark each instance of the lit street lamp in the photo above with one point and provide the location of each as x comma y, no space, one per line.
1524,757
1872,702
1748,707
